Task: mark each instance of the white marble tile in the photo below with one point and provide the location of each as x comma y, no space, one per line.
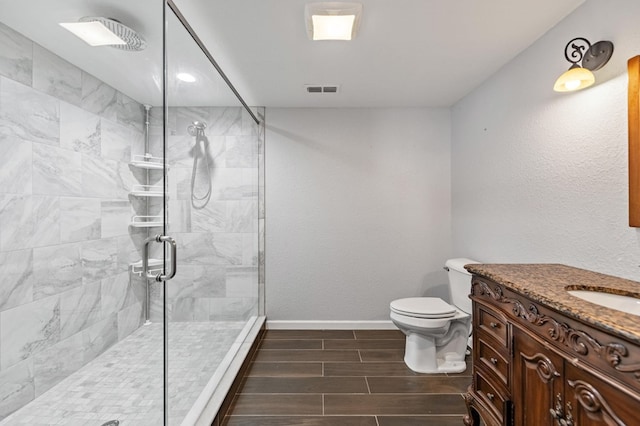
242,216
16,210
250,248
180,151
224,121
46,225
16,56
15,165
116,140
197,281
228,184
80,219
99,98
99,177
211,218
56,362
116,217
190,309
56,171
179,218
129,319
99,337
232,309
99,259
250,184
117,293
34,219
56,269
210,249
182,117
242,282
79,309
130,113
28,329
27,114
55,76
16,387
241,151
79,130
16,285
126,178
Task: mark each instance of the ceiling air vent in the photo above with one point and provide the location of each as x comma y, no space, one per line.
317,88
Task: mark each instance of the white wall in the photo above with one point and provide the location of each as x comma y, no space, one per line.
357,210
542,177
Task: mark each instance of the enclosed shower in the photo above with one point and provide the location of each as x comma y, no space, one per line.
132,230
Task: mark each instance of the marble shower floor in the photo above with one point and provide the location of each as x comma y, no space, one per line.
125,383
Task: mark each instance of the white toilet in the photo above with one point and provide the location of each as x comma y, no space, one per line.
437,332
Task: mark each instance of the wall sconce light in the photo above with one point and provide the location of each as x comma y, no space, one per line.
332,20
593,57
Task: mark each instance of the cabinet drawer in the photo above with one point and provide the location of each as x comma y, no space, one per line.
490,393
492,359
490,323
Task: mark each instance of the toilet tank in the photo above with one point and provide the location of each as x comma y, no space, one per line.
460,283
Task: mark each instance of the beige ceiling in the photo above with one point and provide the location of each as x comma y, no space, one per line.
408,52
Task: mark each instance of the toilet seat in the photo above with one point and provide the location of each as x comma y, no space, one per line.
423,307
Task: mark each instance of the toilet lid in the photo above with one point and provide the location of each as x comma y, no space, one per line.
423,307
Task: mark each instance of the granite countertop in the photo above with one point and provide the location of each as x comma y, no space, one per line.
548,285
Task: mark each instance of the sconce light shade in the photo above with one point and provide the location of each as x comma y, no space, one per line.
593,57
575,79
332,20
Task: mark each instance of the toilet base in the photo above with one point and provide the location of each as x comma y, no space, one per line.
440,353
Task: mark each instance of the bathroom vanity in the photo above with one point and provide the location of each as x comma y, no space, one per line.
542,355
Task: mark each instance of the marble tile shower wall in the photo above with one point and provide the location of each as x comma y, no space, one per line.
65,245
217,240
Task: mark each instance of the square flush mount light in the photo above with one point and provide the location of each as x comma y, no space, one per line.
93,33
332,20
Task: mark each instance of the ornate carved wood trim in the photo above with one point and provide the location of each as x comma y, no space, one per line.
576,340
591,400
543,366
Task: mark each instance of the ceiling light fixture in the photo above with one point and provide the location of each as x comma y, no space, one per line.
93,33
332,20
186,77
593,57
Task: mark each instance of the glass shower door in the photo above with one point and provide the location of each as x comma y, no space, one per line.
211,208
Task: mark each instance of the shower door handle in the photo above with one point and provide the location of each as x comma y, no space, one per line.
145,257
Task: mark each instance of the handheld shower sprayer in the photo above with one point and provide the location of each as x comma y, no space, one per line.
196,129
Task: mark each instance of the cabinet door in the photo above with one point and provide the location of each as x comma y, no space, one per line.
596,402
537,381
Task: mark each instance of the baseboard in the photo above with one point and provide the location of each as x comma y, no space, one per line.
330,325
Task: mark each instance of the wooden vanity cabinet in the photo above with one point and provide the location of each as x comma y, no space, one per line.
533,366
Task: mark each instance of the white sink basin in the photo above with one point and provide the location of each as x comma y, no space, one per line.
628,304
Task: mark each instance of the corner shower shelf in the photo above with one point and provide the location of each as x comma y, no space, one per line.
155,267
147,162
147,191
146,221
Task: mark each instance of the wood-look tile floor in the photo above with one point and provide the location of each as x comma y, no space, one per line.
343,378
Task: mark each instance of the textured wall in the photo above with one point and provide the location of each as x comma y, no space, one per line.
357,210
540,176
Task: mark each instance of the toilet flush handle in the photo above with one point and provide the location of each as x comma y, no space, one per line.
446,268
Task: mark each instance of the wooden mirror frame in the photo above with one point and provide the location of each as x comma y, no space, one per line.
633,67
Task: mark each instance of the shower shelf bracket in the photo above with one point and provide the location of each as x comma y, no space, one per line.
147,191
146,221
155,267
147,162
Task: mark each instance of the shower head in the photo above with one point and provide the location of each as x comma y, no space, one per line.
195,127
134,41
